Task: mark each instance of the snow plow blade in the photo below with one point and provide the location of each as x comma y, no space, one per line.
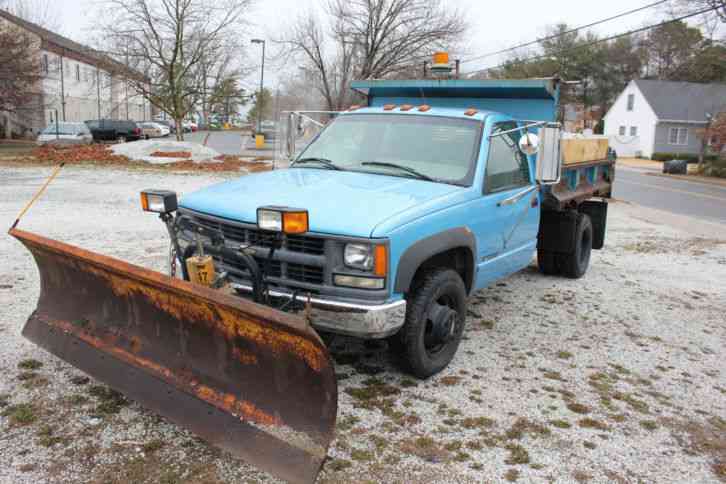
252,380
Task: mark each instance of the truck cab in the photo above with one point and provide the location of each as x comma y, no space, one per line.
400,209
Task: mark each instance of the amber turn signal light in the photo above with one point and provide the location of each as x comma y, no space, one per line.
295,222
380,264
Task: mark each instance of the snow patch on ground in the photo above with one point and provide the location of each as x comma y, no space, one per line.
142,150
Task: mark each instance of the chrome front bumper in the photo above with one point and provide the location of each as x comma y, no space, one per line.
359,320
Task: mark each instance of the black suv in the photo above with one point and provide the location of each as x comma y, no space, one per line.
114,130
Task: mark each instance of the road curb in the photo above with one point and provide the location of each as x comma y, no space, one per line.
692,178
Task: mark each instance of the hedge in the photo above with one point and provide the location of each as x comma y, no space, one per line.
690,158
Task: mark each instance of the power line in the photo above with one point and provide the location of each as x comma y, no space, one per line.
534,42
606,39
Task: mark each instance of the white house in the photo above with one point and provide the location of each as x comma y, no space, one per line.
662,116
78,83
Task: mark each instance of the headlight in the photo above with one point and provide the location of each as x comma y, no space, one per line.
158,201
269,220
359,256
283,219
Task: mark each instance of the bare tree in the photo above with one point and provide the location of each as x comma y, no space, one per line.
388,35
20,70
169,43
687,6
41,12
369,39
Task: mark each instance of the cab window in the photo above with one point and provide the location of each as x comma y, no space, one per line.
507,166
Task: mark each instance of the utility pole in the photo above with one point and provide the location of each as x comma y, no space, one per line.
126,80
98,90
63,89
260,100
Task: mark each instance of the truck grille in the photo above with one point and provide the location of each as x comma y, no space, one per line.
287,273
258,238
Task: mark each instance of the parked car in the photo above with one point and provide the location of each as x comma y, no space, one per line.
114,130
154,130
65,133
168,123
190,126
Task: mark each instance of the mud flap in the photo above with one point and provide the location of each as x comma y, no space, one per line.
254,381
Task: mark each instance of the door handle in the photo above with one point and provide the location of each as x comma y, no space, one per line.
517,196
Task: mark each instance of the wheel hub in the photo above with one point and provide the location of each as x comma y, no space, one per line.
443,323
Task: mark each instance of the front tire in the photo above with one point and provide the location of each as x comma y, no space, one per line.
575,265
435,317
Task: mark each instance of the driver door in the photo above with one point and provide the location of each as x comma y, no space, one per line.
510,201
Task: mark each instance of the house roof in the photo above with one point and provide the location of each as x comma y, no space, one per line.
683,101
65,45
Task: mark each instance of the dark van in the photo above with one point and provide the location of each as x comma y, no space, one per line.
114,130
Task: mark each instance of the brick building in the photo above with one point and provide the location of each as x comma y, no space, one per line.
78,83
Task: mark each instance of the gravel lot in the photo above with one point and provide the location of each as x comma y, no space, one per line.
617,377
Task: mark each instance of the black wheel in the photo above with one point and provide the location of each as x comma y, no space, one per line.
575,265
547,262
435,317
121,139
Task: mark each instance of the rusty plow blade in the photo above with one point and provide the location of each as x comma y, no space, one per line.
254,381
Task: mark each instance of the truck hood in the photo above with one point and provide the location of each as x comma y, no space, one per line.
338,202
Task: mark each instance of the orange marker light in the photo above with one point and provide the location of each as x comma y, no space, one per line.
144,202
389,107
406,107
380,266
294,222
441,57
424,107
354,107
471,112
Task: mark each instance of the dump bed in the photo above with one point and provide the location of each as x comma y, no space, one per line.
580,181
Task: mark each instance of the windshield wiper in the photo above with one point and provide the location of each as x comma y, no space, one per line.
407,169
323,161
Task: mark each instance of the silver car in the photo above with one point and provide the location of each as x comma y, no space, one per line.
65,134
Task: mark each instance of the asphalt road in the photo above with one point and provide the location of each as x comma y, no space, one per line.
230,142
691,198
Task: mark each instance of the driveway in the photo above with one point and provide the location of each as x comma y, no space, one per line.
616,377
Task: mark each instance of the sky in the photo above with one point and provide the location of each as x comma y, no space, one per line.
494,25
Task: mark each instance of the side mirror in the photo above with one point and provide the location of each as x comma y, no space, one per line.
529,143
549,162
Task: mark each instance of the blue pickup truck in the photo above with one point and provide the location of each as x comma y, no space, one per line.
401,208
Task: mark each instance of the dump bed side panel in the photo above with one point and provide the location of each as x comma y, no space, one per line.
579,182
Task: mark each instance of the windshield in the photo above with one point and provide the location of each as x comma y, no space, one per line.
66,129
444,149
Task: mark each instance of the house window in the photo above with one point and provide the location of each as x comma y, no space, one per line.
78,72
45,63
633,131
678,136
621,131
631,101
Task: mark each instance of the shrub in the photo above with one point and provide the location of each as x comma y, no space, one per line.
690,158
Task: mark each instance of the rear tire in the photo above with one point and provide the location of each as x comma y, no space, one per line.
439,292
121,139
575,265
547,262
